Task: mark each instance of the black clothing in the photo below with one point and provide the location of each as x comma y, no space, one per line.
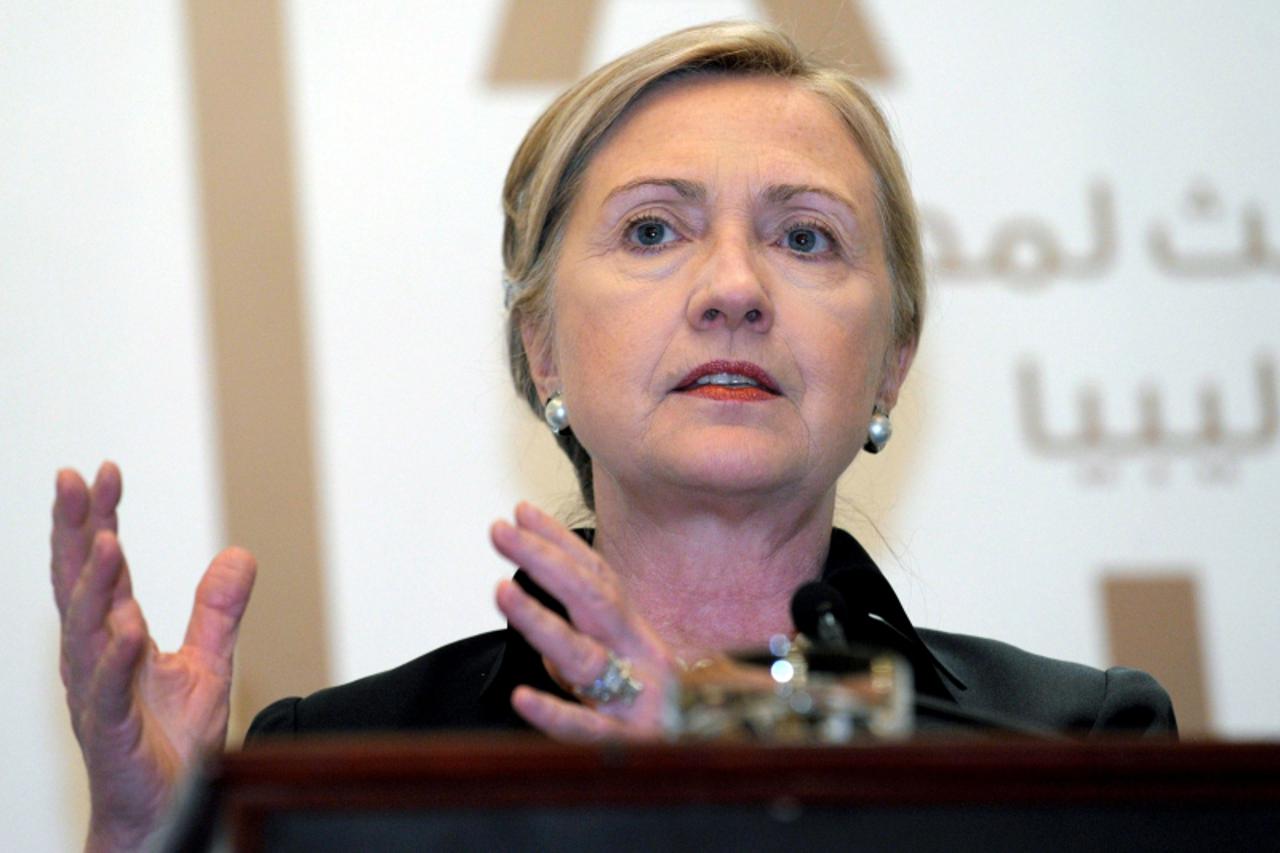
468,684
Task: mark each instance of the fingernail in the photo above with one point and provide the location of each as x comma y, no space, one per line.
101,547
528,512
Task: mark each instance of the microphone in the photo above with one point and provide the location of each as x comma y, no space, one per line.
820,613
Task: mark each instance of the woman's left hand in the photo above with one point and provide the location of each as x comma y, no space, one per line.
577,654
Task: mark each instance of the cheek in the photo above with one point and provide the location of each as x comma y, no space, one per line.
609,340
844,352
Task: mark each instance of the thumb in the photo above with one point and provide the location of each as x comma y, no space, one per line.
221,599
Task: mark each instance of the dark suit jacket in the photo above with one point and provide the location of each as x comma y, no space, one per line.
961,680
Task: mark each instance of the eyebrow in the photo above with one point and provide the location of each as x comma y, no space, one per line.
693,191
687,190
783,193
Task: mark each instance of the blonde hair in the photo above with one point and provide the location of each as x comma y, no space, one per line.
547,171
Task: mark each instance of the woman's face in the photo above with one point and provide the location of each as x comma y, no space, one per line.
722,306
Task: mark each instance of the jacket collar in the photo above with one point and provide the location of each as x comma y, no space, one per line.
877,617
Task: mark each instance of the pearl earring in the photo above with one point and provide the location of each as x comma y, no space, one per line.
555,413
879,431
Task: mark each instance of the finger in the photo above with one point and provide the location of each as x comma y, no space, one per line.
221,599
88,606
69,541
79,511
576,657
71,503
111,690
104,497
564,720
540,557
593,603
533,519
121,593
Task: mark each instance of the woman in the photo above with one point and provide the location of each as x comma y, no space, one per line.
715,294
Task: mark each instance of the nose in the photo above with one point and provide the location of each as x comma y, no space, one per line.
731,289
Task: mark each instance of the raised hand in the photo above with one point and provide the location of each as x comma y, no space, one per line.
141,716
565,566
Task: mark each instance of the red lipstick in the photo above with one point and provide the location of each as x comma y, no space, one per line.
729,380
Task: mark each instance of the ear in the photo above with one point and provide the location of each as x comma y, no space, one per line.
897,364
539,353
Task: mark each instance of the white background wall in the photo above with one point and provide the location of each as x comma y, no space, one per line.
401,146
102,348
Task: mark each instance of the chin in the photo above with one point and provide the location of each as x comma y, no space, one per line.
734,469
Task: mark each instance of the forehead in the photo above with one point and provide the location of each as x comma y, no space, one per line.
712,128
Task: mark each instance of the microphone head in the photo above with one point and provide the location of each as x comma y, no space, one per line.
811,602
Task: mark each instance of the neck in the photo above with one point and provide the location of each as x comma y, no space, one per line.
713,575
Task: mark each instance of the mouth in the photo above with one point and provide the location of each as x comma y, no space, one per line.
729,380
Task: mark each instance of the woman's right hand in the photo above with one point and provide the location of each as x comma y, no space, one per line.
142,716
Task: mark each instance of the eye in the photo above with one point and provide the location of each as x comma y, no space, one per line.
650,233
808,239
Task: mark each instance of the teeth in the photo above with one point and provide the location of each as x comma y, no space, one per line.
729,379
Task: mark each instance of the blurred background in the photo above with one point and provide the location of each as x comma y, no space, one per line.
250,251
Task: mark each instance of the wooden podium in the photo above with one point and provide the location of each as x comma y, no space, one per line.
524,793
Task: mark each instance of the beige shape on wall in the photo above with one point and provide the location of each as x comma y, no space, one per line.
261,369
546,41
1152,624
